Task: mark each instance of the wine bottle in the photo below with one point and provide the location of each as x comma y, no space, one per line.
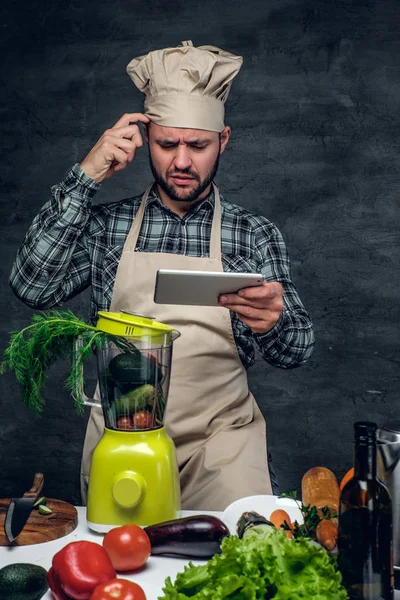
365,556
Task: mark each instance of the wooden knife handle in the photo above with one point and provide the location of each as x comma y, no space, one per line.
37,486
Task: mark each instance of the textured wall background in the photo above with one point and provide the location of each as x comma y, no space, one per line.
315,118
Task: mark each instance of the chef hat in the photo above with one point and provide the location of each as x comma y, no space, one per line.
186,86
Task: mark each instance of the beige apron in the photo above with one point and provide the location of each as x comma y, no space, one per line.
218,430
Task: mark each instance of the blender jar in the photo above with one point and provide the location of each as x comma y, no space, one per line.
133,371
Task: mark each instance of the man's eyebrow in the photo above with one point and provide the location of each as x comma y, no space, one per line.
195,141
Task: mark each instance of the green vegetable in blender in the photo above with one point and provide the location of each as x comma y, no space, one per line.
51,336
23,581
131,370
134,400
263,565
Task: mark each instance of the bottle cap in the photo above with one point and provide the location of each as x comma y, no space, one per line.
365,431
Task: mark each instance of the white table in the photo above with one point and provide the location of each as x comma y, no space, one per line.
151,577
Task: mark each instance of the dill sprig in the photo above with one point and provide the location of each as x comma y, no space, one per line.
311,518
52,336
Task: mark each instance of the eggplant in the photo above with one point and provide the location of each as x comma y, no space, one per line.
199,536
249,520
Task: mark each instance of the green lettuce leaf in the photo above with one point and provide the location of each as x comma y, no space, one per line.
263,565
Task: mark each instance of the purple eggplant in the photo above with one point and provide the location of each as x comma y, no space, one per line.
199,536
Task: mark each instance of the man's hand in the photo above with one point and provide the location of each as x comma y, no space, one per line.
258,307
115,149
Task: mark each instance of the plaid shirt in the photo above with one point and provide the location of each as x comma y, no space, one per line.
72,245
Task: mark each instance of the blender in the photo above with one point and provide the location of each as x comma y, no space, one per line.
134,474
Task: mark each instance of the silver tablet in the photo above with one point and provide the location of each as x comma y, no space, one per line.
201,288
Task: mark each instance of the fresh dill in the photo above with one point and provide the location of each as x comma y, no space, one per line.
311,518
53,335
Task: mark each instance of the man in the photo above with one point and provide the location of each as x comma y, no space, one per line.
179,223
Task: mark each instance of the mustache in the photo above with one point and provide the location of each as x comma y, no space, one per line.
184,172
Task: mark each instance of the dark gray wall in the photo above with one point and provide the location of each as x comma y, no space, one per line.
315,118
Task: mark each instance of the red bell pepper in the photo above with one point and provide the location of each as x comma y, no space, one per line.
78,569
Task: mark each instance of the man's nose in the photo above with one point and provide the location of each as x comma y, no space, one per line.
182,158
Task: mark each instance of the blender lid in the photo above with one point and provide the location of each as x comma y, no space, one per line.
133,325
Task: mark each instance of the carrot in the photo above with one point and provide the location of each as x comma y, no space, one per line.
278,517
327,533
349,475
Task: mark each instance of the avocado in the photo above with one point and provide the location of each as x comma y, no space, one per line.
23,581
130,371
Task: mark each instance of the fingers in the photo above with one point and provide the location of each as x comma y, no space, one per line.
257,325
263,296
246,311
257,307
116,148
260,320
128,146
130,132
118,156
269,289
129,118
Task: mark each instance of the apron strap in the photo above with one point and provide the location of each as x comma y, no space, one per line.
215,239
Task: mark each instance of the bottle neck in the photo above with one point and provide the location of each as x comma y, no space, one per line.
365,461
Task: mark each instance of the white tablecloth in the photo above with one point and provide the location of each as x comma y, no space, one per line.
151,577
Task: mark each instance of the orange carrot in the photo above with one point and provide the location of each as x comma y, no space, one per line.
327,533
278,518
347,476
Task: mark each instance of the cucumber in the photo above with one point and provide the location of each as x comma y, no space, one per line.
23,581
134,400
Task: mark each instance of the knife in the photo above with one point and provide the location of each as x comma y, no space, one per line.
19,509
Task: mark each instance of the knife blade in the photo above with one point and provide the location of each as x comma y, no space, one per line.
19,509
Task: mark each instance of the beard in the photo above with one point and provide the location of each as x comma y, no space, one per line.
182,195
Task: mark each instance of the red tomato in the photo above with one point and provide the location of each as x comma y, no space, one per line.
142,419
124,423
128,547
120,589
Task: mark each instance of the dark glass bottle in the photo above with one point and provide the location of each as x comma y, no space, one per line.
365,556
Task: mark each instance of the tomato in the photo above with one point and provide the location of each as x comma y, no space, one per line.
120,589
124,423
142,419
128,547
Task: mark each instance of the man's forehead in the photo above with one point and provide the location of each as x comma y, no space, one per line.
181,133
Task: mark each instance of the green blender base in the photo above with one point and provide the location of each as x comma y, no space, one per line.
133,478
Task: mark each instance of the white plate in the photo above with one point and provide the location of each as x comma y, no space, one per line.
263,505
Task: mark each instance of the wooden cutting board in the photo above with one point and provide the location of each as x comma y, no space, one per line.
41,528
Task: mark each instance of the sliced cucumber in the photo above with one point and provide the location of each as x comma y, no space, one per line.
44,510
40,501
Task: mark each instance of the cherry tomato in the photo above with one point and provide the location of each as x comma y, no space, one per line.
142,419
120,589
128,547
124,423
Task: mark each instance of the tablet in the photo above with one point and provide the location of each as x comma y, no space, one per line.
201,288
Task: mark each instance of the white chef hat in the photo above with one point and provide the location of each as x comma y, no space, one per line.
186,86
